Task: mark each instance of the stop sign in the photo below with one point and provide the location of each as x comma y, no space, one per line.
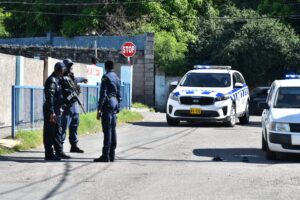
128,49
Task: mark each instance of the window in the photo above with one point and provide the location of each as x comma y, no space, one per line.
238,78
206,80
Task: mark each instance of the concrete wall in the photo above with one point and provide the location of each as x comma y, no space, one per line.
8,78
33,72
162,90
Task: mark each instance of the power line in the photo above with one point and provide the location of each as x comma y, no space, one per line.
170,17
82,4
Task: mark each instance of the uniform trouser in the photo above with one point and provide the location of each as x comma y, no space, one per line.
52,135
70,120
109,122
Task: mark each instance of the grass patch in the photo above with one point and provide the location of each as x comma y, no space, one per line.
127,116
4,150
88,124
139,105
142,106
29,139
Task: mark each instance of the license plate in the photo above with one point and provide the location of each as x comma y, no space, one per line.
295,139
195,111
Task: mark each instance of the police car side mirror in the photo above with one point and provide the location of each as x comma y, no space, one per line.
238,85
173,85
264,105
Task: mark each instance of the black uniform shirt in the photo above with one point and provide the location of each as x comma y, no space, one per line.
110,87
53,94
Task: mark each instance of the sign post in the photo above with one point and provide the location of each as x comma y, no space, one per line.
128,50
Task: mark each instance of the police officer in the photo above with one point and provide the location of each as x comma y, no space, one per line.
52,114
108,108
70,117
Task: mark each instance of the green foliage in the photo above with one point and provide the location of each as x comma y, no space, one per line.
170,53
260,49
187,32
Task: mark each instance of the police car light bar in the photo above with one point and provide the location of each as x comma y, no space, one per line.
292,76
211,67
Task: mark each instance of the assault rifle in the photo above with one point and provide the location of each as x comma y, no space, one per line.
73,96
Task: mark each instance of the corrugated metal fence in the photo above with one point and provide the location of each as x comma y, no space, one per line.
27,104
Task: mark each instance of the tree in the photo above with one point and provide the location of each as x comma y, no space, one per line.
260,48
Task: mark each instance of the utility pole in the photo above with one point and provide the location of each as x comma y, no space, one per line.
95,33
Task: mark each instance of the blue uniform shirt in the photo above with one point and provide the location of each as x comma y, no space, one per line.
110,87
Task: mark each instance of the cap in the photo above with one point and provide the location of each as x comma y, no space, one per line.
68,62
59,66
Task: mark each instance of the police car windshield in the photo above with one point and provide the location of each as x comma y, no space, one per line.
288,97
206,80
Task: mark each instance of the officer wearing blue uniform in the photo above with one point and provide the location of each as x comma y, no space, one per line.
108,107
52,114
70,117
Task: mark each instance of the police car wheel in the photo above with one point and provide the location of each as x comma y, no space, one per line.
263,143
270,155
246,117
232,121
172,122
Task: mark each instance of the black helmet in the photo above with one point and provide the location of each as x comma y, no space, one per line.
68,62
59,66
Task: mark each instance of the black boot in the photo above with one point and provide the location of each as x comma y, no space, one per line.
112,156
75,149
102,159
62,155
52,158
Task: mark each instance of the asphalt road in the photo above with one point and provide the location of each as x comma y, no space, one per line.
155,161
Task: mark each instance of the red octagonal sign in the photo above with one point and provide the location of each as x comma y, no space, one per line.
128,49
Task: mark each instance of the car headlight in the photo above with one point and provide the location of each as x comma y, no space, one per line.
222,98
281,127
174,96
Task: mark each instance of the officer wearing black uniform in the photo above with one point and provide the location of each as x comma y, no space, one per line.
108,107
70,117
52,114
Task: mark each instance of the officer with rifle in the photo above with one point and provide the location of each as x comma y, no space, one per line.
70,117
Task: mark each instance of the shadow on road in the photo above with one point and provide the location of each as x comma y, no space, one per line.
253,155
151,124
253,124
24,159
160,160
190,124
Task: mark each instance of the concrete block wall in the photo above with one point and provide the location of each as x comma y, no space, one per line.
8,78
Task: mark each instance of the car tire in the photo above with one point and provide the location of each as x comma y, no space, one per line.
172,122
263,143
246,117
232,121
270,155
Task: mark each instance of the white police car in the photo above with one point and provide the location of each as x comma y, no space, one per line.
210,94
281,119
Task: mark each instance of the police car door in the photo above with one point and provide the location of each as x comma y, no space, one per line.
240,93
